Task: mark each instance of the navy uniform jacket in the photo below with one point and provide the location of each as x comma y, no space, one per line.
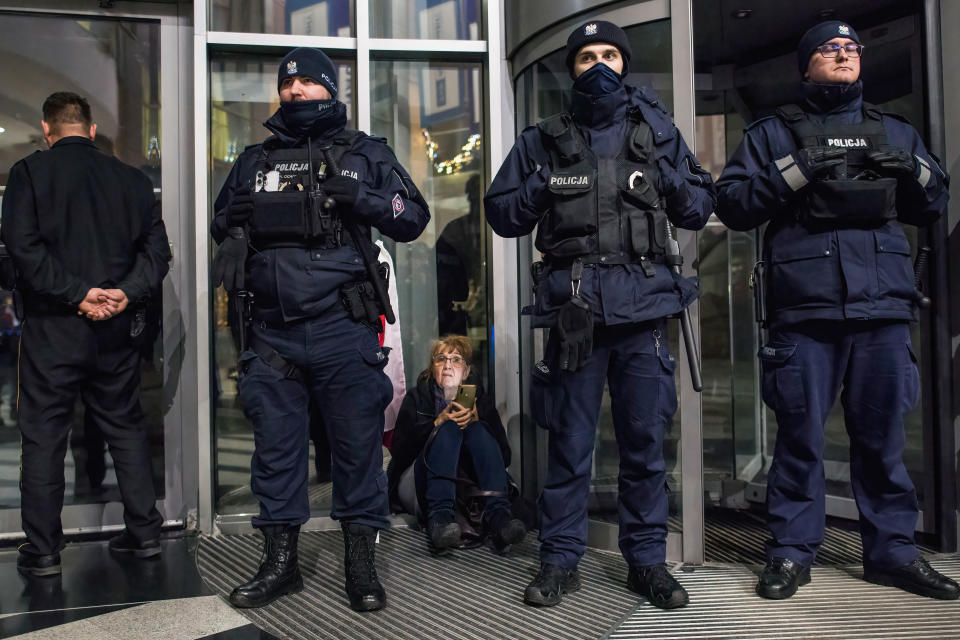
519,197
292,284
75,218
831,275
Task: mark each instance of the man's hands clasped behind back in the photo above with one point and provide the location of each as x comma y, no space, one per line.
102,304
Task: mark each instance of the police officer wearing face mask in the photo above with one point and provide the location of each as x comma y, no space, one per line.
600,182
293,221
835,178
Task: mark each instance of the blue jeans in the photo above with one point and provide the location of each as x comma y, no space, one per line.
483,459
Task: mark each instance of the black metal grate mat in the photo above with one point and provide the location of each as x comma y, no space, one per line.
736,537
469,595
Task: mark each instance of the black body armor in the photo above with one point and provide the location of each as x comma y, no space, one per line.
855,196
605,210
288,207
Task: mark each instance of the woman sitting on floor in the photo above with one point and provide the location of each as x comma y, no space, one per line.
439,444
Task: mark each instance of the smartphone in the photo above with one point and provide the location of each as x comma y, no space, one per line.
466,396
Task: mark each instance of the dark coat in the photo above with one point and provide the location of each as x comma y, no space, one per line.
75,218
519,197
835,274
415,422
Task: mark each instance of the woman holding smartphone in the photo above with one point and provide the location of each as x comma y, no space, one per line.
448,433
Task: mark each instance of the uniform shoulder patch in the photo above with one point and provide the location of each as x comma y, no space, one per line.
398,207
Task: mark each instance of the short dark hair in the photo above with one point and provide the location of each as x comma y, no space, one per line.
64,107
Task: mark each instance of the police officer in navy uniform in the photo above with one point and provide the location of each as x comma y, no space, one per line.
600,182
293,221
835,179
85,234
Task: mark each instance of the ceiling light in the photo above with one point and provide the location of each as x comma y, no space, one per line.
827,13
741,14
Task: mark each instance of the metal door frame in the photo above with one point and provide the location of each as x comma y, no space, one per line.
179,362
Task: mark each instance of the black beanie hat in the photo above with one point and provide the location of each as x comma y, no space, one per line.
312,63
817,35
598,31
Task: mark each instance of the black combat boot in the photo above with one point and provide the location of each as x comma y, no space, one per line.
279,573
362,585
655,582
550,585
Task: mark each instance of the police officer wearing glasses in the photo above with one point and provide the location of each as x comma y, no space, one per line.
601,182
835,179
294,221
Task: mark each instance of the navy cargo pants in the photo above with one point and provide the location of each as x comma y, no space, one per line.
340,364
634,360
804,367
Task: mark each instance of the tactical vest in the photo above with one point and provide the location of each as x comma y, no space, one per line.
855,196
605,210
285,213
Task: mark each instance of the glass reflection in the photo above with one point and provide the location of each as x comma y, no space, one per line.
431,114
243,94
116,66
297,17
426,19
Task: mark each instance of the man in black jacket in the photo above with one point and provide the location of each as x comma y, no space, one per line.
86,237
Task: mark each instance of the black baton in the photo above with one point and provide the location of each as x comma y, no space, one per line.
675,260
919,271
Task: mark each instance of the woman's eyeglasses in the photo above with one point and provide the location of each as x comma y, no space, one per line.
456,361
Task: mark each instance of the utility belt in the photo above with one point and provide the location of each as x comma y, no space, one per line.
361,300
645,262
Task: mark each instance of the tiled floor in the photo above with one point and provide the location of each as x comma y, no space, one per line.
106,597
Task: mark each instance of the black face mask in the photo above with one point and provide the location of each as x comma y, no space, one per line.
309,117
598,80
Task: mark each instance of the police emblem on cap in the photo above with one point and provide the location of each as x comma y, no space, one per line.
844,30
590,30
292,67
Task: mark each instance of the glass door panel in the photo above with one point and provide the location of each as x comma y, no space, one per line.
116,65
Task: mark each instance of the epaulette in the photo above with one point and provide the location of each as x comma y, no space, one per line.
757,122
650,96
896,116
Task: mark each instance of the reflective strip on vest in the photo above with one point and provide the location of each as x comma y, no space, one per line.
791,173
925,173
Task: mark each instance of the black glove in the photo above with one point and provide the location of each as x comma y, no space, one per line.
575,325
820,162
893,162
240,209
343,190
230,263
